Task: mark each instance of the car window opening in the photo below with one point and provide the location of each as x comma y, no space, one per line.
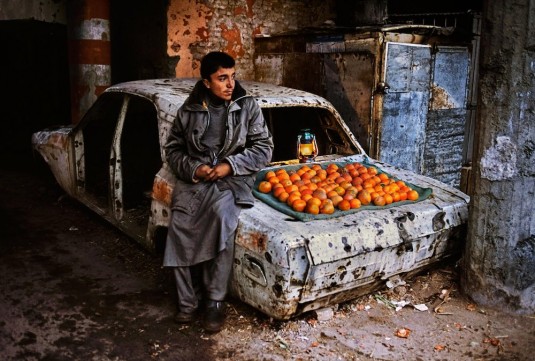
140,159
286,123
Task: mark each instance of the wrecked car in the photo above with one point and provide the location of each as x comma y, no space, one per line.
112,161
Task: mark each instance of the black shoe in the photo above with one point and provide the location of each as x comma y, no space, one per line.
214,316
184,317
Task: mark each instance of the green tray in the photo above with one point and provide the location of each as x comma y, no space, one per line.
273,202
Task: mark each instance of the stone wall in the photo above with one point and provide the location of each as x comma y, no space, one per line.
196,27
51,11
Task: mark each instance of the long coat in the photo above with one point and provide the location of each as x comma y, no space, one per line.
248,148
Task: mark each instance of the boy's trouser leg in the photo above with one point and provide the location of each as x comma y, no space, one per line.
187,298
217,272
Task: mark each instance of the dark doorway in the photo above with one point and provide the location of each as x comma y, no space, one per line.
139,40
34,75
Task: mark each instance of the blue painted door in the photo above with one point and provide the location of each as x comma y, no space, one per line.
405,105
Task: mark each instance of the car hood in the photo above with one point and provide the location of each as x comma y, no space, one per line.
329,240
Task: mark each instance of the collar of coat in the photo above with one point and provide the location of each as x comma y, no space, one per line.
197,99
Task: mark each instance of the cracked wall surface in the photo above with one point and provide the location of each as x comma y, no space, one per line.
196,27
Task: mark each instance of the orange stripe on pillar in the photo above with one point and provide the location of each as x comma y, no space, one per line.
89,53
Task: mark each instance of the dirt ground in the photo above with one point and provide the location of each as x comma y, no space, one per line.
74,288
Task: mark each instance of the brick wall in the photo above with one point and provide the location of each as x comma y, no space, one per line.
196,27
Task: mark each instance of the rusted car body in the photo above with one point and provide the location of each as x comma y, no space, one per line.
113,162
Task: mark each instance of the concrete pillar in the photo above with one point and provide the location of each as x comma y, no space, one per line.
499,259
89,52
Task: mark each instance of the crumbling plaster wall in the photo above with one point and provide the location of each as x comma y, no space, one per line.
196,27
51,11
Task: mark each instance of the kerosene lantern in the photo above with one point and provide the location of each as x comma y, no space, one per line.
307,148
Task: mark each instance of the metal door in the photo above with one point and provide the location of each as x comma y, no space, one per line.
401,133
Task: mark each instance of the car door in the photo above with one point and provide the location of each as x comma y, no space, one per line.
117,157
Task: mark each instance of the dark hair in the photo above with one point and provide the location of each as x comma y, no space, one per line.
212,61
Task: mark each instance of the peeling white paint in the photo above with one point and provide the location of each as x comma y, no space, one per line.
499,161
93,29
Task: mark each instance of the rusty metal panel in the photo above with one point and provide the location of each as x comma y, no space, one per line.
446,121
445,136
402,130
264,68
348,82
450,78
55,146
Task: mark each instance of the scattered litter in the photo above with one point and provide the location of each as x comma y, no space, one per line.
471,307
473,344
440,311
493,341
324,314
282,343
445,295
421,307
385,301
314,344
395,281
403,332
400,304
73,228
439,347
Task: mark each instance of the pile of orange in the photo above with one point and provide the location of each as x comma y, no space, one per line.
321,190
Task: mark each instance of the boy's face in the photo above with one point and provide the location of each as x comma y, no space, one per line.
222,82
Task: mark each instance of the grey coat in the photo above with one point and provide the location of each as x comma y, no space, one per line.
247,148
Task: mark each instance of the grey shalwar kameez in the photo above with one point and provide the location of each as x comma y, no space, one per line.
205,214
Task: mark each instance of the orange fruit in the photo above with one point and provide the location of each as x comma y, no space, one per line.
291,188
283,175
327,208
306,197
356,181
349,166
292,198
315,201
339,190
402,196
388,198
383,176
331,194
412,195
264,187
273,180
278,191
285,182
332,167
336,200
344,205
355,203
320,193
312,208
347,176
294,177
299,205
372,170
379,201
283,196
322,174
269,175
364,197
